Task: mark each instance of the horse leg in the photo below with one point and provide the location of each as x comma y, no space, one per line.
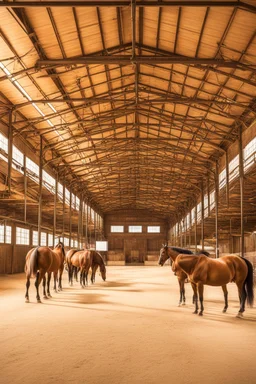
200,288
37,283
55,281
242,297
70,274
180,292
81,278
195,297
225,291
27,288
60,278
48,284
44,285
76,273
183,291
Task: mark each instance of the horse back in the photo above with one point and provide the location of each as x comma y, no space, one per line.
86,259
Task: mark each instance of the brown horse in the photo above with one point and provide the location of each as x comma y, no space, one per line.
218,272
168,252
72,270
42,260
82,260
98,261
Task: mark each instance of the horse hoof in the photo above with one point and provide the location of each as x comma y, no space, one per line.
224,311
200,314
39,301
179,305
27,300
239,315
183,303
195,312
49,296
55,290
45,297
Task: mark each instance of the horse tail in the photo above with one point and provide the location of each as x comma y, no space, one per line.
248,283
33,263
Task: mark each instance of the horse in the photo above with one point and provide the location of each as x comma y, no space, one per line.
81,259
168,252
72,270
98,261
42,260
219,272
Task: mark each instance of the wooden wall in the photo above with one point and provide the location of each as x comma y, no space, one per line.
12,258
128,247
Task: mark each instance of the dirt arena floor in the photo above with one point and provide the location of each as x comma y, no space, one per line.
126,330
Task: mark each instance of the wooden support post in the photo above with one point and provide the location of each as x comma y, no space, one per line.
190,225
10,141
217,210
63,207
40,205
227,179
208,194
25,188
241,176
87,209
70,218
55,210
202,215
196,227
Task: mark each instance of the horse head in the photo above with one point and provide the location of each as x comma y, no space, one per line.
60,245
103,272
163,255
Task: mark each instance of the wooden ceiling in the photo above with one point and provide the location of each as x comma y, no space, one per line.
138,98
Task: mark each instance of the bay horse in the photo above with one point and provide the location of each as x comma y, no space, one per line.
98,261
168,252
218,272
72,270
42,260
81,259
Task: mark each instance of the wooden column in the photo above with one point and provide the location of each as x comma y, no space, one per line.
10,141
25,188
190,225
87,221
202,215
241,176
55,210
217,210
63,207
227,179
40,189
208,195
196,227
70,217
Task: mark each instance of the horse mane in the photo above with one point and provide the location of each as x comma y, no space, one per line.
203,253
182,250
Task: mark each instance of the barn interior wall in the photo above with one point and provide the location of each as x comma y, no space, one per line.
126,248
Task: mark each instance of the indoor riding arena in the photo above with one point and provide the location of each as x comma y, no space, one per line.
127,191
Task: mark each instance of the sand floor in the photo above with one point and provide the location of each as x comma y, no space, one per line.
125,330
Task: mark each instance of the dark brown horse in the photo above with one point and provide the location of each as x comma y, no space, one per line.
98,261
168,252
82,260
42,260
218,272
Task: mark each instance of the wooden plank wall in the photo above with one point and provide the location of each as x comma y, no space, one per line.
12,258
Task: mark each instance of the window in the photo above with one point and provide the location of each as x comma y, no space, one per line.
205,205
135,228
67,196
153,229
199,213
234,168
22,236
35,238
77,206
43,239
60,191
250,154
50,240
49,182
7,231
212,200
32,169
193,214
66,241
222,179
3,147
18,159
101,245
117,228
